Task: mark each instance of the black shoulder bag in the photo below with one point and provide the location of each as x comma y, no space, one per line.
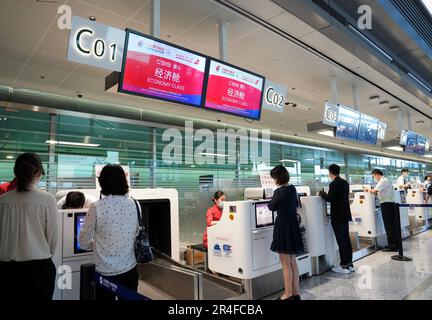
143,252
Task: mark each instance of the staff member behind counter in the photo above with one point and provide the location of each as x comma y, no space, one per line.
287,238
76,200
385,191
214,213
340,210
403,181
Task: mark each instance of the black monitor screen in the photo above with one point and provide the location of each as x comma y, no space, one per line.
263,215
157,222
79,218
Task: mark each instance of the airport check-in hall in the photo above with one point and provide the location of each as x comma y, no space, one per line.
218,150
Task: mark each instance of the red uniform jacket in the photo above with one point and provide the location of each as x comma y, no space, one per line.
213,214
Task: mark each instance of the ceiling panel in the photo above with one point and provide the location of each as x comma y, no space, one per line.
291,25
256,45
265,9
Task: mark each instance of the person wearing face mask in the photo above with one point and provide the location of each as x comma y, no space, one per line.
214,213
403,182
28,235
385,191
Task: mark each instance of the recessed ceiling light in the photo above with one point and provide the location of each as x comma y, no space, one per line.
328,133
383,103
42,77
92,18
75,144
374,98
395,148
420,122
9,157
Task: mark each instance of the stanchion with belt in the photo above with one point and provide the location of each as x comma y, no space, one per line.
400,256
90,279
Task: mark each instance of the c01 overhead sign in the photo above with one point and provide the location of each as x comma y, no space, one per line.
96,44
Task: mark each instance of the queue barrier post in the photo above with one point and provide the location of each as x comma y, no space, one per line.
87,284
400,256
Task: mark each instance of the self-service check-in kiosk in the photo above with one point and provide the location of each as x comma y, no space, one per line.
400,197
417,196
69,254
160,217
321,242
367,221
239,246
366,214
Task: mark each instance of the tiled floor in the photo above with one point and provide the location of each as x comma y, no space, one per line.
379,277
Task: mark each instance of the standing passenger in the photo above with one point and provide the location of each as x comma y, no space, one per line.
110,229
385,191
28,234
340,210
287,238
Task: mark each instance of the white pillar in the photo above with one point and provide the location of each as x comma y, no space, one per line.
155,18
223,40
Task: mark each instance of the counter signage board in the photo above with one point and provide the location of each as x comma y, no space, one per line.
96,44
156,69
331,113
234,91
275,97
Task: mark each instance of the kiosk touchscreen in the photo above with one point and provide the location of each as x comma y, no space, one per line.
79,218
264,217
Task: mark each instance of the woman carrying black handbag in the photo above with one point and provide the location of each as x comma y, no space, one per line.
111,228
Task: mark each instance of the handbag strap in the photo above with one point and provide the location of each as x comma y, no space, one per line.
140,222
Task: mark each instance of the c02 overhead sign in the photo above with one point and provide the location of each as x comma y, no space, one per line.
96,44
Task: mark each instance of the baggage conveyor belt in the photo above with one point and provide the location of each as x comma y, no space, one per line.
166,279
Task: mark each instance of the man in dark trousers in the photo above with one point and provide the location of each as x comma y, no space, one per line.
338,196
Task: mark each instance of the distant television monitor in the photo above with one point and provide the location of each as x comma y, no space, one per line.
382,129
160,70
234,91
79,218
411,142
421,145
348,124
368,129
264,217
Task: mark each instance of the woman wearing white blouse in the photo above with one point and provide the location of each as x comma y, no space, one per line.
28,235
110,229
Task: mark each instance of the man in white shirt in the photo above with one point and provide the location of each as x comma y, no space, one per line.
385,191
403,181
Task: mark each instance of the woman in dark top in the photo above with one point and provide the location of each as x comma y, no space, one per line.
287,238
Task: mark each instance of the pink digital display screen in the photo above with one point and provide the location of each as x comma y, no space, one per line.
155,69
234,91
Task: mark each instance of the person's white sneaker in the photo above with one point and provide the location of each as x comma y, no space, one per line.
352,269
339,269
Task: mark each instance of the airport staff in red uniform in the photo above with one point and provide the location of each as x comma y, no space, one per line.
7,186
214,213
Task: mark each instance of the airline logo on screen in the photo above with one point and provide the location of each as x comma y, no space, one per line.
238,75
152,47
